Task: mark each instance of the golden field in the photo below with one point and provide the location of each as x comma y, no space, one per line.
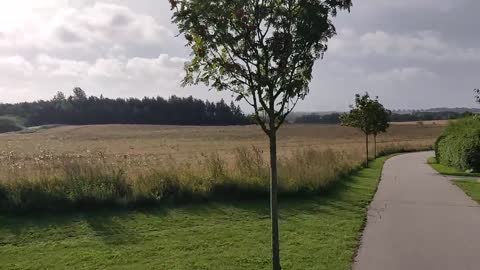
130,163
187,143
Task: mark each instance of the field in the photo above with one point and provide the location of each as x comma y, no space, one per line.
319,230
75,166
158,145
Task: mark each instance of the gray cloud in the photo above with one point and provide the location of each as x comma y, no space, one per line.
412,53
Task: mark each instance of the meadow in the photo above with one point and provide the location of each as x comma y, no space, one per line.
90,166
318,232
215,226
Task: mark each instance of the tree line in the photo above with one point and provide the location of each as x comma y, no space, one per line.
335,118
80,109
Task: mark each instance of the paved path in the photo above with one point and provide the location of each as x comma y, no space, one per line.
419,220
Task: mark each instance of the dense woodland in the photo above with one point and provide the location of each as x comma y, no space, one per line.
80,109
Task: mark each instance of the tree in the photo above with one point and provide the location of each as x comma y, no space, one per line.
477,97
79,94
361,116
380,121
59,97
263,52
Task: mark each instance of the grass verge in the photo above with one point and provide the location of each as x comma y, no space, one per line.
317,232
471,188
446,170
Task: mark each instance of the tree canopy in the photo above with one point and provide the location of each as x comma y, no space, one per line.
361,115
263,51
380,118
368,115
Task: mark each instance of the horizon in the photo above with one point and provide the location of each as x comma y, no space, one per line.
442,109
121,48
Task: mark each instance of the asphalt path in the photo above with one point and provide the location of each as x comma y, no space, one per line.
419,220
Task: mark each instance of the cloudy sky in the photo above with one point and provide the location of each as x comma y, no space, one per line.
411,53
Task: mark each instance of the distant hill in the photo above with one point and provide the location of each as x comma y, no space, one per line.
436,110
400,111
397,115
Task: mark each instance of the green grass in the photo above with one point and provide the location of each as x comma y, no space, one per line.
318,232
472,188
446,170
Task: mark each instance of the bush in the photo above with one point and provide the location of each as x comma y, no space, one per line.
459,145
9,124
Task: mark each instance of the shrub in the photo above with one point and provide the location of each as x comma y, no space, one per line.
459,145
9,124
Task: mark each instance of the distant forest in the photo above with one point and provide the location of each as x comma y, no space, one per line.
334,118
80,109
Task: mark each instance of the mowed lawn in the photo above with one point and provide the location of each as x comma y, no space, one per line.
470,187
318,232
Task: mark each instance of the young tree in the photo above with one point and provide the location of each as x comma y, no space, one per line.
263,52
380,123
361,116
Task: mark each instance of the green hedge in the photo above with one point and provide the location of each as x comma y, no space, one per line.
9,124
459,145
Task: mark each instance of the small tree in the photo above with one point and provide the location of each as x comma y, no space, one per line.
380,121
361,116
477,96
263,52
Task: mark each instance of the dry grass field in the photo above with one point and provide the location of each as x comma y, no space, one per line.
187,144
135,163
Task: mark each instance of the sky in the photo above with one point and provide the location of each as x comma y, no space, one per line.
412,53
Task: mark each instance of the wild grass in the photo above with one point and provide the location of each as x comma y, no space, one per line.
62,182
50,178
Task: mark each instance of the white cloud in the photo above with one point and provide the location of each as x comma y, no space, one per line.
402,75
108,68
163,66
15,66
442,5
421,45
105,24
152,75
52,66
99,29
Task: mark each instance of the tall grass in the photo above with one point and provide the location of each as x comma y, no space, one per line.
56,182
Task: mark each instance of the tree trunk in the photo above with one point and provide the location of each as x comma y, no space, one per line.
375,145
274,201
366,147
